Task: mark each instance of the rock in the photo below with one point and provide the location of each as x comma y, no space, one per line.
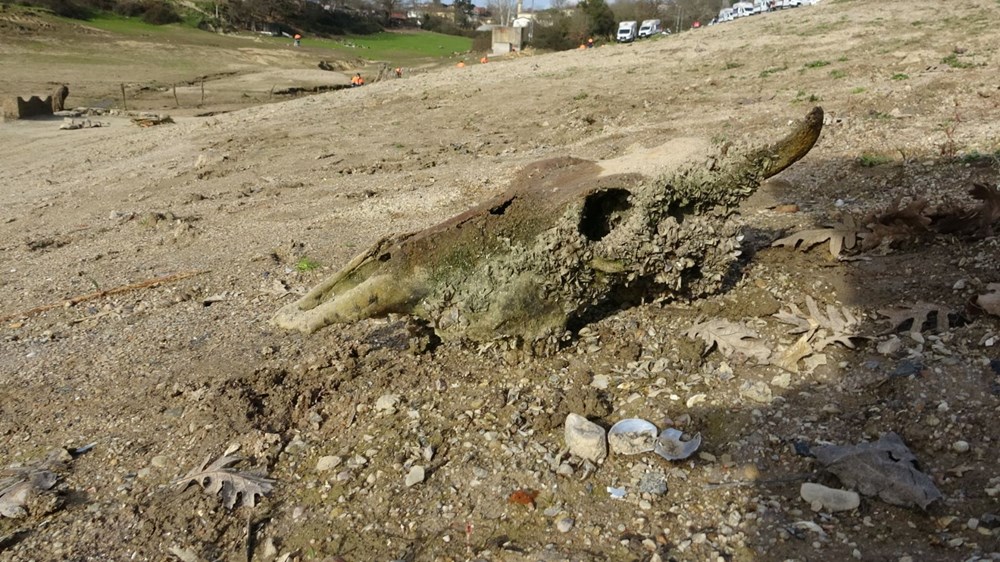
387,403
565,523
960,446
415,476
783,381
59,96
756,391
268,551
585,438
296,445
829,498
654,483
328,462
159,461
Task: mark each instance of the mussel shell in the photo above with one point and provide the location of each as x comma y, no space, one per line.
632,436
669,445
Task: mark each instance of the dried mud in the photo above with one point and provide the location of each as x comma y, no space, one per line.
260,204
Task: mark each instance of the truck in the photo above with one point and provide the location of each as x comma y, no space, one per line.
627,31
649,28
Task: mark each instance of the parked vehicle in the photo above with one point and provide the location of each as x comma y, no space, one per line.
742,9
761,6
649,28
725,14
627,31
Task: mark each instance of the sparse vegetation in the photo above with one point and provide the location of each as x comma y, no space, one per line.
817,64
773,70
869,160
900,76
837,74
952,61
307,264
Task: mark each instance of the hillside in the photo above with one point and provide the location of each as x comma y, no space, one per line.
249,208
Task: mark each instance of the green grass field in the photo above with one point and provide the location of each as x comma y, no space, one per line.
409,47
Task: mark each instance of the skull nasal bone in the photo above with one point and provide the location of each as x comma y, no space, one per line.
602,211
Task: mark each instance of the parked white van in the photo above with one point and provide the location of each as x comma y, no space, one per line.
725,14
649,28
742,9
627,31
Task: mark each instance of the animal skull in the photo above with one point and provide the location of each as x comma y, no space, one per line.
570,239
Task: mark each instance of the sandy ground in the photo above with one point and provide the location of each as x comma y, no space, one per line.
161,375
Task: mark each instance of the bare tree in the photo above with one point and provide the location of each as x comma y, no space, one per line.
506,10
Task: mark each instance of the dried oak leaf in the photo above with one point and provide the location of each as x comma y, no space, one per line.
886,468
976,222
238,488
895,224
838,325
917,315
730,338
789,360
842,235
990,302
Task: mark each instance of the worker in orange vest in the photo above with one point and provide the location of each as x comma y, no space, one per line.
461,64
357,80
298,40
590,42
484,60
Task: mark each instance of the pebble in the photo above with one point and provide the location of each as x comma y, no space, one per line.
328,462
783,380
600,382
387,403
585,439
565,523
960,446
565,470
829,498
159,461
756,391
415,476
653,483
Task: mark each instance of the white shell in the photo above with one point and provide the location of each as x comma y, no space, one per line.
632,436
670,446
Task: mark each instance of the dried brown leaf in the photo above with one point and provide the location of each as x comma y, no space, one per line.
836,325
801,349
974,222
238,488
730,338
917,315
841,236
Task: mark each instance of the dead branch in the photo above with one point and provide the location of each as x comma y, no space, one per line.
155,281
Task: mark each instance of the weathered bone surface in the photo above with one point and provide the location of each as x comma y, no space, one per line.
571,239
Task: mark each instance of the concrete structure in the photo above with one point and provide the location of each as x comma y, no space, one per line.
20,109
507,39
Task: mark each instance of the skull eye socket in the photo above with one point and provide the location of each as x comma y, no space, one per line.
602,211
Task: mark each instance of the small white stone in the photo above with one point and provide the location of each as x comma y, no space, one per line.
565,524
415,476
784,380
585,438
960,446
829,498
973,523
386,403
959,285
600,382
328,462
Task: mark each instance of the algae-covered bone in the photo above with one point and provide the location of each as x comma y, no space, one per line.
570,237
